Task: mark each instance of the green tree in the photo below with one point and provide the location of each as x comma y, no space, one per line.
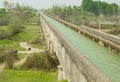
115,9
87,5
15,25
108,10
8,5
100,7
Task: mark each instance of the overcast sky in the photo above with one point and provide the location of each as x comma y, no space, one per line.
38,4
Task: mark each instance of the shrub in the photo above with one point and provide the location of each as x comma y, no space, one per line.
9,57
4,34
4,18
42,61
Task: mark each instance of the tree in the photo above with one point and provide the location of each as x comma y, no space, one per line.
99,7
108,10
18,7
87,5
115,9
15,25
8,5
5,4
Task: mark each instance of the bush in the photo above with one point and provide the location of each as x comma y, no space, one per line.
4,34
42,61
9,56
4,18
4,21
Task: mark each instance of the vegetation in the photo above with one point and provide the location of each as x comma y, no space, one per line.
4,18
8,5
15,22
88,13
96,7
29,32
99,7
13,42
14,18
43,61
116,31
15,25
3,34
28,76
22,12
9,57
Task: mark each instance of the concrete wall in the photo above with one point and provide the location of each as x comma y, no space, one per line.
73,65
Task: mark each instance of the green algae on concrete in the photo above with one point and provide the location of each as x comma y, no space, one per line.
107,61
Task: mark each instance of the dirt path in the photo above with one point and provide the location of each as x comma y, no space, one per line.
22,61
26,46
2,66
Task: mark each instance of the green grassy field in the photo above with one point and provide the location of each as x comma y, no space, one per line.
28,76
3,27
28,33
20,56
25,75
25,36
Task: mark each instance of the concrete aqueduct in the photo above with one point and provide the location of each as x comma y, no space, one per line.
74,66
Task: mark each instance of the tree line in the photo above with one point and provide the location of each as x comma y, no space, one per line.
88,11
95,7
14,16
99,7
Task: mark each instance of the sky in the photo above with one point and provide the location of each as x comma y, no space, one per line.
39,4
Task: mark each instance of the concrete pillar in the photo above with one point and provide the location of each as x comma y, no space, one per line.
79,32
61,75
51,48
101,43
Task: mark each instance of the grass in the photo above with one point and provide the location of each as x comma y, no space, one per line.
25,36
10,44
3,27
4,14
34,20
36,45
28,76
28,33
20,56
25,75
118,35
